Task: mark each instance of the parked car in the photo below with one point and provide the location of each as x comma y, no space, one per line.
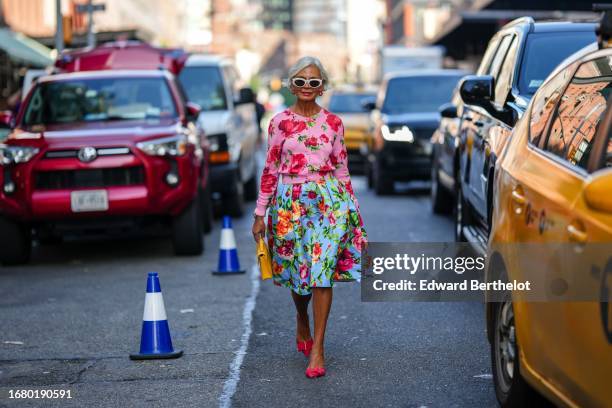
229,119
104,149
445,156
519,57
404,117
349,102
554,191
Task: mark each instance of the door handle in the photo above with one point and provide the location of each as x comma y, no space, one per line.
518,197
577,233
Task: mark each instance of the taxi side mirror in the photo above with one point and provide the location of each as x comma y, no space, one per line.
596,192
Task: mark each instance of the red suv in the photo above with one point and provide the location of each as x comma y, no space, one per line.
112,144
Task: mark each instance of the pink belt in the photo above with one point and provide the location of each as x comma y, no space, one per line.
303,178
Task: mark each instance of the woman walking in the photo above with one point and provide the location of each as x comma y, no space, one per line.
314,229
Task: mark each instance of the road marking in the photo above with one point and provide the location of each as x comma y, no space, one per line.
229,388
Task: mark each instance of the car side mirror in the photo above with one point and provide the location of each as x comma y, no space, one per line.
192,111
7,119
478,90
245,95
596,192
448,110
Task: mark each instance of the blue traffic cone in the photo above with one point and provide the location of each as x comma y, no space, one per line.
155,341
228,254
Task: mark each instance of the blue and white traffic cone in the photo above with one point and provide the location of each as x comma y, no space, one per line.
228,254
155,341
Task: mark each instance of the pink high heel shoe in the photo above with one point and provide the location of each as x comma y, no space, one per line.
305,346
315,372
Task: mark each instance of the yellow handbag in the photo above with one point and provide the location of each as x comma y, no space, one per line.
264,259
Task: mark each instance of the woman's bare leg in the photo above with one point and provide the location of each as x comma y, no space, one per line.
321,305
303,323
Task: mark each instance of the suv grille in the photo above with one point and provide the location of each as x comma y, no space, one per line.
69,179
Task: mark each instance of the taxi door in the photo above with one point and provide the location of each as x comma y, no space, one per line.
587,325
542,193
565,342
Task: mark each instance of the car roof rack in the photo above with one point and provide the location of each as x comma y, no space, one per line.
132,55
604,30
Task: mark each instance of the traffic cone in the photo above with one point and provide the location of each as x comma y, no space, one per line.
155,341
228,254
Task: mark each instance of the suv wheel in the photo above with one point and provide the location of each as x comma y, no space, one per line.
510,387
234,203
250,187
441,199
206,206
15,242
382,185
187,230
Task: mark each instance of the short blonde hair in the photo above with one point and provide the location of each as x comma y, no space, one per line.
306,62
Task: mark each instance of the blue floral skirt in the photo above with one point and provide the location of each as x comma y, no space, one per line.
315,234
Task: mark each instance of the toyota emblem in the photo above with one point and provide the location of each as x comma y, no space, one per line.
87,154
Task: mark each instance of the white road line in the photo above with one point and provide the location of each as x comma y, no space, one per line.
229,388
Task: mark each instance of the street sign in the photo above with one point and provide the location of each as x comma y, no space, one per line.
84,8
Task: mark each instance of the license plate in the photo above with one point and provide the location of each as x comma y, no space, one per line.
90,200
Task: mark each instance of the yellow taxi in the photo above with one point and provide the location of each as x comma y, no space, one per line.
350,103
554,195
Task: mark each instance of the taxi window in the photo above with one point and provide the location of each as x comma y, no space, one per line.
544,103
580,111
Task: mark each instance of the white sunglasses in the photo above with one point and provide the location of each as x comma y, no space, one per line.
299,82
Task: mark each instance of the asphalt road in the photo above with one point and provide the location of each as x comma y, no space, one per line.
70,319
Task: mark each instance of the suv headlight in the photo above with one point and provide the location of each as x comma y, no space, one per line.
400,133
166,146
16,154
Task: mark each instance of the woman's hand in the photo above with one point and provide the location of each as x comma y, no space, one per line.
259,227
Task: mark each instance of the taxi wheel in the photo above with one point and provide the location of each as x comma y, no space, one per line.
511,389
441,199
187,237
15,242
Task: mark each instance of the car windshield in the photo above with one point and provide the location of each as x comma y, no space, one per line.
204,86
99,100
543,52
419,93
349,102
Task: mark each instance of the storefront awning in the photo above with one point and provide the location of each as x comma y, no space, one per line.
24,50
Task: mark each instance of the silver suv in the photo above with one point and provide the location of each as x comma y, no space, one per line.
229,119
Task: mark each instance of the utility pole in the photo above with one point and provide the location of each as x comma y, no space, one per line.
90,9
91,39
59,27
